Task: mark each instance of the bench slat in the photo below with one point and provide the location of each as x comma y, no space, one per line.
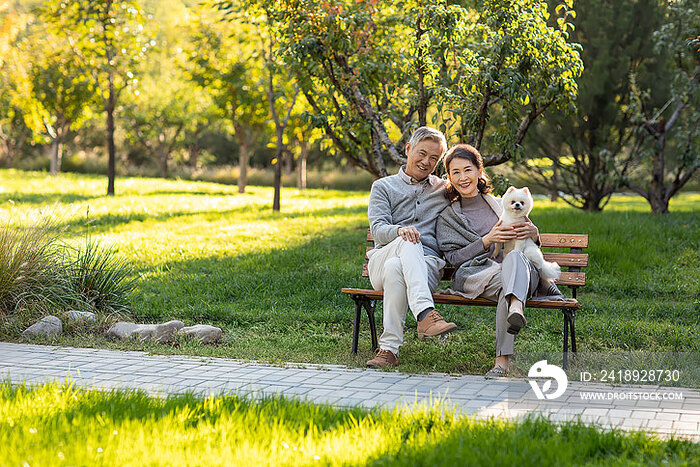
564,240
563,259
572,279
567,259
457,300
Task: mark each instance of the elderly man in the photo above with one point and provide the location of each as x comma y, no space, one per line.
406,262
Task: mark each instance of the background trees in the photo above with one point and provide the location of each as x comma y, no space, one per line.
230,68
108,39
341,83
61,95
585,154
372,72
668,137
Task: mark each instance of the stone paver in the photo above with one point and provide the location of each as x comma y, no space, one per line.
346,387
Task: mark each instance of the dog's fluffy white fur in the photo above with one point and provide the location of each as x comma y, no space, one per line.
517,204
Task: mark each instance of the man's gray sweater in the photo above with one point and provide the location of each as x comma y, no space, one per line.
399,201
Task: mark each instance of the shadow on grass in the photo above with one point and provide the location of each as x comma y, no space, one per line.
295,283
537,441
44,198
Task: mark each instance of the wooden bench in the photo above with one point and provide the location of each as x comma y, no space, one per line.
571,261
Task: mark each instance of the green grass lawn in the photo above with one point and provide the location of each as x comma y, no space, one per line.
59,424
272,281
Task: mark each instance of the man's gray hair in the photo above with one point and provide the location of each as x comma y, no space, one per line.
426,132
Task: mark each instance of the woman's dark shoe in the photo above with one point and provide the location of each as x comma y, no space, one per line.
516,321
496,372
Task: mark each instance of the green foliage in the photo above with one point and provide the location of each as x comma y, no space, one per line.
85,427
500,184
230,68
60,89
667,145
106,36
372,71
588,151
508,66
15,84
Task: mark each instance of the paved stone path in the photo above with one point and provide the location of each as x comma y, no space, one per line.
472,395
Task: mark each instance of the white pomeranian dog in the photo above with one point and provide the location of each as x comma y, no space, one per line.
517,204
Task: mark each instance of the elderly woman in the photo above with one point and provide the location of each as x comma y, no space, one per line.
467,232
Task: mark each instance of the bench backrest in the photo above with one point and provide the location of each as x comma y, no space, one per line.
571,259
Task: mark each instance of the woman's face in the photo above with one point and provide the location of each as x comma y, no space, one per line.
464,176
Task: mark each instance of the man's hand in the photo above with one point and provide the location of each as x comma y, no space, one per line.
525,230
409,234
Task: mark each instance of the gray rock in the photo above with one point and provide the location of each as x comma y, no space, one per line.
122,330
204,332
81,316
158,333
47,326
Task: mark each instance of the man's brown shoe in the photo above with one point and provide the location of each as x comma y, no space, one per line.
383,358
434,325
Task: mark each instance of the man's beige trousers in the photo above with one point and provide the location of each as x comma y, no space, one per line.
408,279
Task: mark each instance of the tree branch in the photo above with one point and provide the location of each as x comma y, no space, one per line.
336,139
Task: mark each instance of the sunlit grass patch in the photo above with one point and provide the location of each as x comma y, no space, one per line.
55,424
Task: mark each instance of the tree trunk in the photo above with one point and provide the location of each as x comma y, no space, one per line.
9,154
301,180
592,203
288,163
278,177
56,156
554,194
110,136
194,155
164,164
243,158
659,204
657,190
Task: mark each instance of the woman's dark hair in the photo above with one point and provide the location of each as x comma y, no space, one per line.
470,153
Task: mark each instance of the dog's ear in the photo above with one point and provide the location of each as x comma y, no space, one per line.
511,188
526,190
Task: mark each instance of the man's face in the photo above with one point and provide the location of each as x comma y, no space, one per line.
422,158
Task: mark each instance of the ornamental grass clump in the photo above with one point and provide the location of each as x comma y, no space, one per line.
41,274
30,268
100,280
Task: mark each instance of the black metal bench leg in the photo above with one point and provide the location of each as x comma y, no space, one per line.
573,332
356,328
370,306
569,326
566,340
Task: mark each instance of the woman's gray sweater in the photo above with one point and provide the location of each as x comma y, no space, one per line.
456,237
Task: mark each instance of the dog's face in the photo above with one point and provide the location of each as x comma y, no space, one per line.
517,201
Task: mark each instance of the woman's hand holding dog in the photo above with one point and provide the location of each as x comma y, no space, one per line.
525,230
499,233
